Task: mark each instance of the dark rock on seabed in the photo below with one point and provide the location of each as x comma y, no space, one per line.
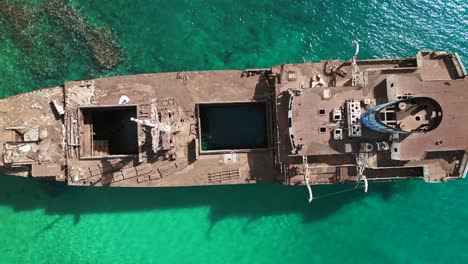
49,27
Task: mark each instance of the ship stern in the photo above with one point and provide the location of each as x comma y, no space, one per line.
31,134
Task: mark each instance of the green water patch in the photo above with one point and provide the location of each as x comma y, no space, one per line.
233,126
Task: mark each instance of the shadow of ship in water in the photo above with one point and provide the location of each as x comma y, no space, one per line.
251,201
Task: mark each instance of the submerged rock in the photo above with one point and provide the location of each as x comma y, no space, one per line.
99,41
43,31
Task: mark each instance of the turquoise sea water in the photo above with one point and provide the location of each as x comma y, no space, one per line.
410,222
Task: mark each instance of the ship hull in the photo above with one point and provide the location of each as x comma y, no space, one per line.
223,127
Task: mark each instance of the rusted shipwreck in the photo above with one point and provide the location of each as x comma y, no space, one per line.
297,124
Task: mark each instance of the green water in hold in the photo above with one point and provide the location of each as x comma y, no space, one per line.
233,126
408,222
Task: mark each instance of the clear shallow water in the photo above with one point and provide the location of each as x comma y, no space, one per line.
408,222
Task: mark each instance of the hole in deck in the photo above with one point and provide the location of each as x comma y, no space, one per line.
233,126
108,131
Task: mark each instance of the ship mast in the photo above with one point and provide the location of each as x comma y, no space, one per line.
157,127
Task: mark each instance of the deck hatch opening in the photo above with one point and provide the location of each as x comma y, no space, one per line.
108,131
233,126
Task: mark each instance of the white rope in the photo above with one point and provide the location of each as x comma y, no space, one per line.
306,177
310,190
366,184
360,164
356,52
354,66
338,192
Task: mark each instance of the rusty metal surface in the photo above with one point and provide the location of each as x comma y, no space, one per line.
46,128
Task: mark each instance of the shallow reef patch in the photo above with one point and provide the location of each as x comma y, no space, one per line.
52,34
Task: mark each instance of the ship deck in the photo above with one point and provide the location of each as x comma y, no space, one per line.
333,161
181,92
94,143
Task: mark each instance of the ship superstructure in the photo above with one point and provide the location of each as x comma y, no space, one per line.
309,123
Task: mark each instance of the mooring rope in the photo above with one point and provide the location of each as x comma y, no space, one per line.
338,192
306,177
311,197
360,173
